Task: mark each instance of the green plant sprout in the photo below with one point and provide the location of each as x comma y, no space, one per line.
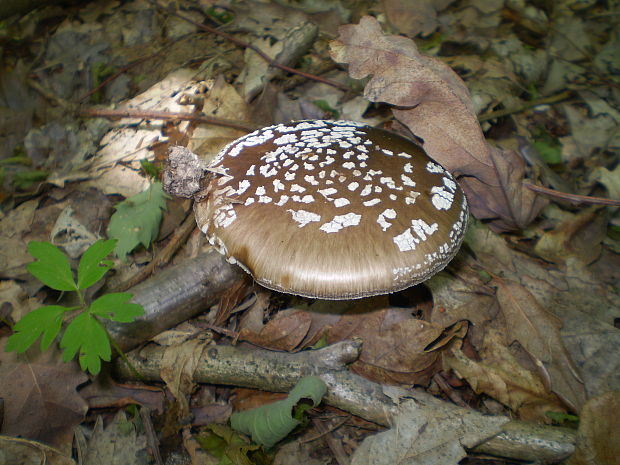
136,219
85,333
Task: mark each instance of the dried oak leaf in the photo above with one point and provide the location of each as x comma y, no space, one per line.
284,332
538,332
435,105
394,350
498,374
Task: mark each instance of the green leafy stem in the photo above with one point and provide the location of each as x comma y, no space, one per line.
85,333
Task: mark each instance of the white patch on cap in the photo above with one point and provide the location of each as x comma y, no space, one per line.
387,152
328,161
341,221
341,202
289,176
408,168
285,139
327,192
434,167
305,199
389,182
386,214
405,241
243,186
304,217
443,196
250,171
348,165
311,180
265,199
393,197
423,229
352,186
283,200
366,190
407,181
404,155
278,185
370,203
411,197
224,216
297,188
268,171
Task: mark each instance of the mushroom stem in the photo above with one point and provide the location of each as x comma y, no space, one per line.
279,371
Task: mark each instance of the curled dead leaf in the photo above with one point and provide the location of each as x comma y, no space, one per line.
436,106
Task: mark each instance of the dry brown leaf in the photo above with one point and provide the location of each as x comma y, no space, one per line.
40,398
538,332
597,438
394,345
438,109
177,370
580,236
499,375
284,332
413,17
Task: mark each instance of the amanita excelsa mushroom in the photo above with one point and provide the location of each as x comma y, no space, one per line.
331,209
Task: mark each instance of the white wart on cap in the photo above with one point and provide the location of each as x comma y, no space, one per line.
332,209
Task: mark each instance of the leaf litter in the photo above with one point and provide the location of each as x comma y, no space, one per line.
540,299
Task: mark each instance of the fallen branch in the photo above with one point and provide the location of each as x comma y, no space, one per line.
174,295
279,371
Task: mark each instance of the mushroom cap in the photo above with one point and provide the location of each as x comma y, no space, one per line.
331,209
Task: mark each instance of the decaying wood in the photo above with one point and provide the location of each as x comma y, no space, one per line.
279,371
174,295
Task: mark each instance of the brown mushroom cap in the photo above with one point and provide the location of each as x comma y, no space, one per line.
332,209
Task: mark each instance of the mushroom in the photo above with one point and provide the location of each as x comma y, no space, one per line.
331,209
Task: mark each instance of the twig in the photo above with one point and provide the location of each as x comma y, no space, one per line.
335,446
279,372
244,44
532,103
151,435
572,198
167,115
163,256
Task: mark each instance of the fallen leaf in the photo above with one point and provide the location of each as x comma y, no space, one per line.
118,443
427,432
436,106
177,371
394,345
499,375
40,397
538,332
283,332
597,437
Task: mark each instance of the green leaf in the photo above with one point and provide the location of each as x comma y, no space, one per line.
87,335
115,307
271,423
92,264
136,220
44,321
230,447
53,267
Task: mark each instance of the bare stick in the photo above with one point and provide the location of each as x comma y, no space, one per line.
174,295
